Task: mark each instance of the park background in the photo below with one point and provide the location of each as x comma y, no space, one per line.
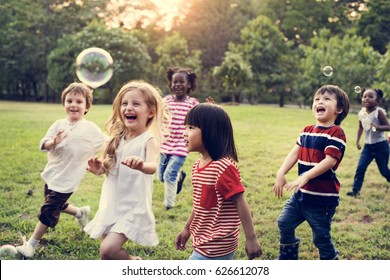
262,60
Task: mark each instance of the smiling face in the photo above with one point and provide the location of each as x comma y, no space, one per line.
325,109
180,85
75,106
370,100
135,113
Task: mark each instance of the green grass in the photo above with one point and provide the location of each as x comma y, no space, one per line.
264,135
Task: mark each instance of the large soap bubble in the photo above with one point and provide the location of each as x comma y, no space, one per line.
94,67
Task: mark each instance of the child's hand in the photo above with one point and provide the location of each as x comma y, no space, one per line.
279,184
358,146
298,183
253,249
209,100
181,239
94,166
134,162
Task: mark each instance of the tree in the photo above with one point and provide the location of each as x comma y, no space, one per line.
131,60
210,25
234,72
29,31
375,24
264,47
299,20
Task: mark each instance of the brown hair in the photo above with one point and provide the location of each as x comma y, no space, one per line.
79,88
342,100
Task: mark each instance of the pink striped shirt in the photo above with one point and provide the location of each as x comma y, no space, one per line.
175,145
215,225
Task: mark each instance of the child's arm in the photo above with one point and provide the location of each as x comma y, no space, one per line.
50,144
359,135
288,163
384,123
184,235
149,166
327,163
252,247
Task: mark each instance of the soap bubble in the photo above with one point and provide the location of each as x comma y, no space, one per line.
328,71
358,89
94,67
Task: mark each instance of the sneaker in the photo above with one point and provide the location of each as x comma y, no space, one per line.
180,182
353,193
26,249
83,221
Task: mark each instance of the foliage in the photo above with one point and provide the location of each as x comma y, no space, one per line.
264,47
375,24
27,36
300,20
235,73
131,59
354,63
210,25
35,38
263,134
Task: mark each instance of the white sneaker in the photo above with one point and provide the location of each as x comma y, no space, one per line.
83,221
26,249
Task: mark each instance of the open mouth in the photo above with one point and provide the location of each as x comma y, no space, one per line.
130,117
320,109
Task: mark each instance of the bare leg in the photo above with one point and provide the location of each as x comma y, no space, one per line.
71,210
39,231
111,248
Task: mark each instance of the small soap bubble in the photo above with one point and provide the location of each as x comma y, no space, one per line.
358,89
328,71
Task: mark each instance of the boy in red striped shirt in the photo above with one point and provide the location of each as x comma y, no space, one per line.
318,151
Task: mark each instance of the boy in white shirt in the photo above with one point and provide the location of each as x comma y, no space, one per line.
70,143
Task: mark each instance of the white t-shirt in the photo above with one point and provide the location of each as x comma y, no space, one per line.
67,162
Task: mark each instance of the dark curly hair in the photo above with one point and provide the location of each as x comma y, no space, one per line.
191,77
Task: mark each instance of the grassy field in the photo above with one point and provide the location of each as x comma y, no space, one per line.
264,135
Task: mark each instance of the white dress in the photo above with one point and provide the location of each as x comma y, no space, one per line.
126,200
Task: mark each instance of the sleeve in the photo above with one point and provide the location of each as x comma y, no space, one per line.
336,144
99,138
229,183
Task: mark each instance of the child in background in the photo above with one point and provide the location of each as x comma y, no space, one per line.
129,161
182,82
219,206
70,143
318,151
373,121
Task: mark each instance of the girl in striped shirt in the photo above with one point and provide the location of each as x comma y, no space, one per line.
182,82
219,206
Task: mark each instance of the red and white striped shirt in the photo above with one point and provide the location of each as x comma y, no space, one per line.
175,145
215,224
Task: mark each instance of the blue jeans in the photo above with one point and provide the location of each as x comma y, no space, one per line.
169,168
198,257
379,152
318,217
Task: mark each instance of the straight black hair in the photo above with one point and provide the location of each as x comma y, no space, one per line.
217,130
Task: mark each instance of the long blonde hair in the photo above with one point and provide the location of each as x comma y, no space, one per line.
158,124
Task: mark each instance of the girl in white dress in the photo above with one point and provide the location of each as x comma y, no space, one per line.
129,161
